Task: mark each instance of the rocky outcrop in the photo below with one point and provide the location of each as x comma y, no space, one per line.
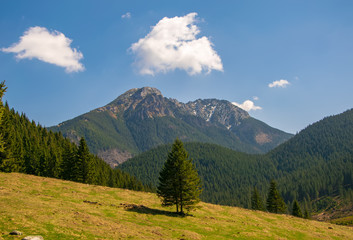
114,156
37,237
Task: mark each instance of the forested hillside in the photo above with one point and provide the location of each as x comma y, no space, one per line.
315,164
32,149
319,160
227,176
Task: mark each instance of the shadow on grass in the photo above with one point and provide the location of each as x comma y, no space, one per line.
147,210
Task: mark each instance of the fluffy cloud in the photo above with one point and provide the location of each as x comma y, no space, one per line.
172,44
247,105
51,47
126,15
279,83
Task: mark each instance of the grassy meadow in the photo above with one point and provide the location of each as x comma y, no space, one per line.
57,209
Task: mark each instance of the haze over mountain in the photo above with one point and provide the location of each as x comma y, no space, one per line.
142,118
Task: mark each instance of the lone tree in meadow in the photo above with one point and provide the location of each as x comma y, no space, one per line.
275,203
179,183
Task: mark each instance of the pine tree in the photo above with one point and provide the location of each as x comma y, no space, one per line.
2,91
306,214
179,183
275,203
297,212
68,162
256,201
83,169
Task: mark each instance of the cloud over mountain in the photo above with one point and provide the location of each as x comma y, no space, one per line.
51,47
247,105
279,83
173,44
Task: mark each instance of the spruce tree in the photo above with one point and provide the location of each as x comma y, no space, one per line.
83,169
256,201
296,211
306,214
275,203
179,183
2,91
68,162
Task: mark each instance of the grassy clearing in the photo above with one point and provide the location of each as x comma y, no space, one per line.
59,209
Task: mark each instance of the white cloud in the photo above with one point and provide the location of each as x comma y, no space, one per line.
126,15
255,98
247,105
172,44
51,47
279,83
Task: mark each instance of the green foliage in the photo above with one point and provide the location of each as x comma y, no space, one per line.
83,166
179,183
275,203
306,214
296,211
32,149
2,91
256,201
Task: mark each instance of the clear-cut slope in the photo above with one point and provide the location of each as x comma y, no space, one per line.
143,118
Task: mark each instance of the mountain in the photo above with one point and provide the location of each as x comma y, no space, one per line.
142,118
315,167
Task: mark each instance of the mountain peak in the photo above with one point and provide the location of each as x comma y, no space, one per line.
135,94
148,90
140,92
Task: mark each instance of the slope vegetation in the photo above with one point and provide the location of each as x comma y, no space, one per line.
57,209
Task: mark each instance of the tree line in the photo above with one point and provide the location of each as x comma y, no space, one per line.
275,203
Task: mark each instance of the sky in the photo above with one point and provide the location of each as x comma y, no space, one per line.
288,63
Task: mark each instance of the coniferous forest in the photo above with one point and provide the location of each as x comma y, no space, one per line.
32,149
313,167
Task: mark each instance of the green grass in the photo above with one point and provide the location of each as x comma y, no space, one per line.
59,209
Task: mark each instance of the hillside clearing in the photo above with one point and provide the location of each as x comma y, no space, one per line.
59,209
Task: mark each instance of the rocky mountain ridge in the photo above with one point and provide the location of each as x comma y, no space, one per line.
143,118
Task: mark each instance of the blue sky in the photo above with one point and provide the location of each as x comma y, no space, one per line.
61,59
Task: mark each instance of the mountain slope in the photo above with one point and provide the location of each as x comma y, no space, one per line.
141,119
312,167
58,209
319,159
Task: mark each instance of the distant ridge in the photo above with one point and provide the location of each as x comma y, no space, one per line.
142,118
